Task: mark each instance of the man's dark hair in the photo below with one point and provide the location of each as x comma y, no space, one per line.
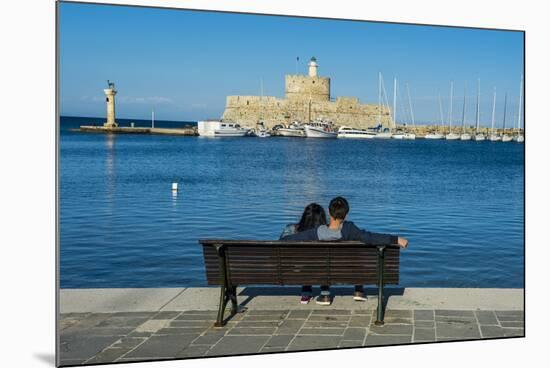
338,208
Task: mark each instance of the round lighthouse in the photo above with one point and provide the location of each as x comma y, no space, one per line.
313,67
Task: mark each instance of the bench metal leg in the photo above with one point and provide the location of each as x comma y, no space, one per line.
380,310
224,290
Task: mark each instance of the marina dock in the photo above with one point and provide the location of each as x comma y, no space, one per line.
138,130
125,325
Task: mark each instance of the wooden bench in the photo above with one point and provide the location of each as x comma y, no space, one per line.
229,263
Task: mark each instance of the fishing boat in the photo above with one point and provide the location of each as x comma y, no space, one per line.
464,136
478,136
348,132
294,130
320,129
451,136
493,137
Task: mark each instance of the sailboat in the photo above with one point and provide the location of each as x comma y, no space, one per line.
437,135
519,137
261,130
451,136
385,133
478,136
505,137
464,136
493,137
399,135
410,136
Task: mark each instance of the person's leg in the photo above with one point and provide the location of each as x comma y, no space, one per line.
359,294
324,298
307,294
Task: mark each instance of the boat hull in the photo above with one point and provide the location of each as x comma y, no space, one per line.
313,132
355,135
452,137
465,137
284,132
494,138
519,139
434,136
382,136
478,137
409,136
223,133
506,138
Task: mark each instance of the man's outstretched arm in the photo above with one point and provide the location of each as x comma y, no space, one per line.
373,238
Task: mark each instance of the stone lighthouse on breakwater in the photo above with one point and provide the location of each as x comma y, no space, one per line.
307,97
110,99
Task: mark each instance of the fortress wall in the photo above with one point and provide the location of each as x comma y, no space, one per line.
247,110
305,87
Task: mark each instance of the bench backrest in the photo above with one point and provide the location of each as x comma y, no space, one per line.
299,263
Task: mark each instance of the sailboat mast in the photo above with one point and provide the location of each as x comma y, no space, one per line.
410,104
493,115
379,98
451,108
152,118
477,105
504,119
520,100
394,100
440,108
464,110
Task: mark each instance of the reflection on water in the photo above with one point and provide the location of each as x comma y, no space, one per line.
123,226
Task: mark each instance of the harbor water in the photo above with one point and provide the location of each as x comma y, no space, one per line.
460,204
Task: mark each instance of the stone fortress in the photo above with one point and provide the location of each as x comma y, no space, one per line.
307,98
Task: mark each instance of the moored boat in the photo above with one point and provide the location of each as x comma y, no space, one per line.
320,129
220,128
348,132
434,136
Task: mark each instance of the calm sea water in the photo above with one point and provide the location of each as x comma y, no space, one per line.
460,204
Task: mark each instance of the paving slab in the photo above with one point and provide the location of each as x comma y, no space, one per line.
115,300
230,345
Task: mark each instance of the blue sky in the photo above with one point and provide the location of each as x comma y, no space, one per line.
184,63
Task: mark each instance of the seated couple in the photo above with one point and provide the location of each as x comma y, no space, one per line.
313,226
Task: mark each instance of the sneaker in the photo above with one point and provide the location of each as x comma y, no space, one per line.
306,298
323,300
359,296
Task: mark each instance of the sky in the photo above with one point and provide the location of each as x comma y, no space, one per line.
182,64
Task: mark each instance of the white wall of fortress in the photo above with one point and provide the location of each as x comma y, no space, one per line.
300,92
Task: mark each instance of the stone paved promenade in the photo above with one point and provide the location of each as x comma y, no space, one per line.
119,325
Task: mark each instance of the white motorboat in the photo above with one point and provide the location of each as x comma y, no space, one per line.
261,130
465,137
348,132
294,130
320,129
434,136
230,130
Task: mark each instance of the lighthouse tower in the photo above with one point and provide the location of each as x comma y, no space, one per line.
110,99
313,67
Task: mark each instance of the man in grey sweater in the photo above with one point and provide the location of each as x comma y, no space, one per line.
339,229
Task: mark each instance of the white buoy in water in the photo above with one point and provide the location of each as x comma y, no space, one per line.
175,187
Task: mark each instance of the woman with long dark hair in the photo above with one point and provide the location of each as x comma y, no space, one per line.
312,217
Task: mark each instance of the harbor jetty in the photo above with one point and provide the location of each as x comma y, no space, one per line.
125,325
112,127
